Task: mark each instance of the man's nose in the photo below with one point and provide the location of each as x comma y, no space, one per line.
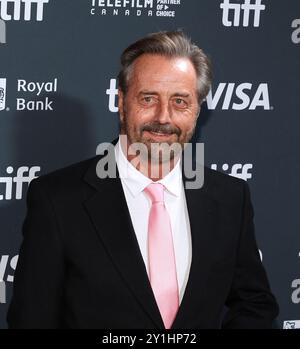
164,113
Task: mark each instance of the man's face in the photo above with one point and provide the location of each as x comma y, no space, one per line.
161,104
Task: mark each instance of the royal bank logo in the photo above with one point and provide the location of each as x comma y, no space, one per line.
2,93
237,13
31,95
17,10
296,33
291,324
149,8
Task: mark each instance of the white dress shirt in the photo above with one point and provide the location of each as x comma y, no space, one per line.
139,204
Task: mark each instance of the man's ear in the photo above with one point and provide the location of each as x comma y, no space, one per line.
121,104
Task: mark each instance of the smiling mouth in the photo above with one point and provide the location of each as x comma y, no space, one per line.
159,134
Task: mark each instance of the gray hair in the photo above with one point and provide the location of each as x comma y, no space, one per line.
169,44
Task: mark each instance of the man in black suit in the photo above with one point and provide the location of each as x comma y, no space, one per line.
89,259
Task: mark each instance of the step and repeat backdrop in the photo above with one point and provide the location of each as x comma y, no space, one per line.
59,61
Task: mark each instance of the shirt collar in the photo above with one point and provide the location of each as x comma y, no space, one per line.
136,182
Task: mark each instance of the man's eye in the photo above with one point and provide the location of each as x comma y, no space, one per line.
180,102
147,99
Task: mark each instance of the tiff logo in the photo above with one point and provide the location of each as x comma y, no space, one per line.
18,5
242,171
249,6
19,180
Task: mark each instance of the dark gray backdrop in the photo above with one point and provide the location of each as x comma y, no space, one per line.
82,52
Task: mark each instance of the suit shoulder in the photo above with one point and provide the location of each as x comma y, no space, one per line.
222,178
66,179
223,186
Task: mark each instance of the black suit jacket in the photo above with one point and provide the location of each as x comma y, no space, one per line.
80,265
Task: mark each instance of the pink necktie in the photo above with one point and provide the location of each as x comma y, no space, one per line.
162,267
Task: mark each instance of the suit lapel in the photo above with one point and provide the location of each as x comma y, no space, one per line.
201,209
109,213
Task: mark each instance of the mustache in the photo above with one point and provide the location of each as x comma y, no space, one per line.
161,128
